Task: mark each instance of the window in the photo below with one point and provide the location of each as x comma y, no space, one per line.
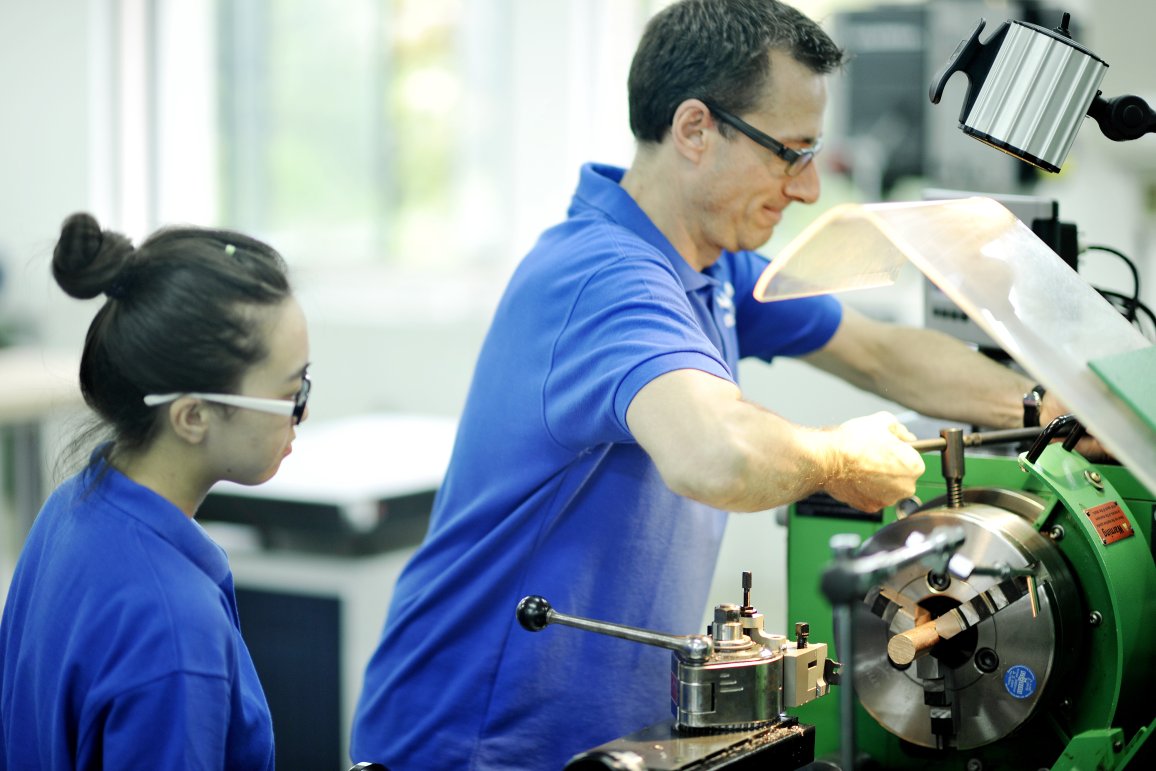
346,129
415,134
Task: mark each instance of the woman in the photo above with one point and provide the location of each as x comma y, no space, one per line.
120,644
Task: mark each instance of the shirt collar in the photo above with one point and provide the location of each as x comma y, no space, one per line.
599,187
159,515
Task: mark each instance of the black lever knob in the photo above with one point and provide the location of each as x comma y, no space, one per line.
534,613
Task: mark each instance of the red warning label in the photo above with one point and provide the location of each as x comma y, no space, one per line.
1111,522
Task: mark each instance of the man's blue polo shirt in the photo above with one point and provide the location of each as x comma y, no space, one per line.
548,493
120,645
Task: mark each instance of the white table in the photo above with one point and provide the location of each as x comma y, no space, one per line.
354,463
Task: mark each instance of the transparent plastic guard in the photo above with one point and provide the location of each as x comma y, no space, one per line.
1039,310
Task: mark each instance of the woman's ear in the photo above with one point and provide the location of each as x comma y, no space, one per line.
189,418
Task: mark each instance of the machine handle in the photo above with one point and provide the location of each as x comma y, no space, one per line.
974,59
974,440
1123,117
535,613
1064,425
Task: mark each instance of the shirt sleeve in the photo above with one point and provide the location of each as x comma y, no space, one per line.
629,323
180,721
783,327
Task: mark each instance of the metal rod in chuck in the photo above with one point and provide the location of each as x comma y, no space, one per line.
534,613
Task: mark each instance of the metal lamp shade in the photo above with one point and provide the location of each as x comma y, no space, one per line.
1035,96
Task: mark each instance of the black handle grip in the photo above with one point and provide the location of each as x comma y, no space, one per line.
534,613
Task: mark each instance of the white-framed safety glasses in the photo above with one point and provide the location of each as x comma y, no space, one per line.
294,407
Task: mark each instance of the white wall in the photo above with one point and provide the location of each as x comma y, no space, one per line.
45,154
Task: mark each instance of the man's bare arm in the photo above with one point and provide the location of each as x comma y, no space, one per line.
711,445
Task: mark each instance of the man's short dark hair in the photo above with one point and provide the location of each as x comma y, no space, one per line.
718,50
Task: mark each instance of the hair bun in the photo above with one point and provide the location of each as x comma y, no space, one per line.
88,260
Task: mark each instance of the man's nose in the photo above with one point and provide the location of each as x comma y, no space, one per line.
804,187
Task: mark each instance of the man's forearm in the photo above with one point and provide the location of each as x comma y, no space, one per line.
710,445
924,370
941,377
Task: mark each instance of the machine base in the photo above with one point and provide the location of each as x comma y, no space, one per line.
660,747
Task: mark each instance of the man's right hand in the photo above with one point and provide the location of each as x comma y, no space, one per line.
874,466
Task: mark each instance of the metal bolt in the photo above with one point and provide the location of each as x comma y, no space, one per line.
1095,619
938,581
986,660
974,764
802,632
907,507
1094,478
1056,532
1117,746
1065,703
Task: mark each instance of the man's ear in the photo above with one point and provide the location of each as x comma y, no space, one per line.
689,129
189,418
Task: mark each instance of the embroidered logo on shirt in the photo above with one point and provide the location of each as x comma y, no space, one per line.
725,300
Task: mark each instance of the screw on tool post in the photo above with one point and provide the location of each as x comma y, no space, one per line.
747,609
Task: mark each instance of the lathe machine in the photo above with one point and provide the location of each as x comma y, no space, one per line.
1034,648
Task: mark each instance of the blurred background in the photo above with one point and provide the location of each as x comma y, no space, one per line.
403,154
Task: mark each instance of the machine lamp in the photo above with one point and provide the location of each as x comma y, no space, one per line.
1029,89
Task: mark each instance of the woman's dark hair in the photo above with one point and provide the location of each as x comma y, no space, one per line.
178,315
717,50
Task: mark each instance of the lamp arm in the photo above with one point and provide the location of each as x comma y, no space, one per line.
1123,117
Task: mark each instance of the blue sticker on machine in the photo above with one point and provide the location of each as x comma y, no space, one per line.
1020,681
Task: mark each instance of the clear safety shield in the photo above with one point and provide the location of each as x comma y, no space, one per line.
1039,310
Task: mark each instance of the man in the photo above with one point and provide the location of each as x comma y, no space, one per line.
605,436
